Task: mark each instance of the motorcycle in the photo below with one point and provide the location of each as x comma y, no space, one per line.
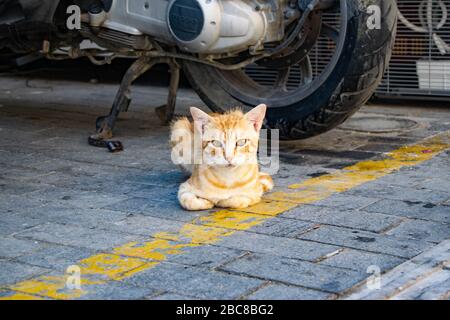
313,62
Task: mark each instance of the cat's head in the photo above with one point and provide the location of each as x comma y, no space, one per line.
229,139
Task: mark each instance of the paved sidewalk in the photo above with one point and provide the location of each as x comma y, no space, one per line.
350,209
426,276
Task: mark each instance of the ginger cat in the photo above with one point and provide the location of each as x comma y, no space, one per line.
220,151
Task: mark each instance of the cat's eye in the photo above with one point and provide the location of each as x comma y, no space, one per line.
216,143
242,142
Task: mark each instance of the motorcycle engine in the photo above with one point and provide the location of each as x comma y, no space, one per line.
198,26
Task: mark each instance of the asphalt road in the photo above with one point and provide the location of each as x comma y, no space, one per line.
348,206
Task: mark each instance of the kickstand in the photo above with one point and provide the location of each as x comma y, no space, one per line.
105,124
166,112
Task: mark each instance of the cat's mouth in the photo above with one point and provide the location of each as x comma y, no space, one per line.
228,165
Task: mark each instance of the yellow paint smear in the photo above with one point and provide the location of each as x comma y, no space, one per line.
53,287
21,297
270,207
134,257
103,267
234,220
157,250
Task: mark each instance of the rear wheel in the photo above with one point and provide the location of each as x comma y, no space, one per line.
329,81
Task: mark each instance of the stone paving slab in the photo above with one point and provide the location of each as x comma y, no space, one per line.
76,236
283,292
119,291
382,191
11,224
422,230
426,276
55,257
415,209
347,202
197,282
356,219
295,272
13,247
286,228
159,208
67,215
207,256
285,247
367,241
13,272
361,261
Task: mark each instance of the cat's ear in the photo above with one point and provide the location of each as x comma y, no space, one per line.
201,118
256,116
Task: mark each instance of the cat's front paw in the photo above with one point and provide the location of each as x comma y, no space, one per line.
191,202
239,202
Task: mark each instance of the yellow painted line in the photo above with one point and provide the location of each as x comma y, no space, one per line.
134,257
316,189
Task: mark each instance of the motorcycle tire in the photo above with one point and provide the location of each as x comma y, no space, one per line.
359,68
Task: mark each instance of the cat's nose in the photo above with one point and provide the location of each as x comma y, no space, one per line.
229,159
